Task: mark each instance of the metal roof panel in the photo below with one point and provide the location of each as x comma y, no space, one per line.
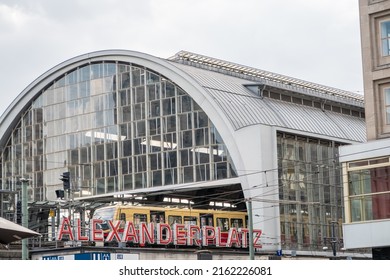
244,108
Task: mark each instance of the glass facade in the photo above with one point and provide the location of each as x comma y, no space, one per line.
310,191
115,127
369,190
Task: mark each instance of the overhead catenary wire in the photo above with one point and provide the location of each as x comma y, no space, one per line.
245,173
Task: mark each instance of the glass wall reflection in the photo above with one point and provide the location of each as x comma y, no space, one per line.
114,127
310,191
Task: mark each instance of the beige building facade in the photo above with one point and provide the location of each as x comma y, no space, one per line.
366,167
375,39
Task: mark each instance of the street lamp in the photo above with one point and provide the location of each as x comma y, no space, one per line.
334,241
24,182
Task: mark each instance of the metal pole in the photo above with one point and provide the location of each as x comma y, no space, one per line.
53,223
70,201
24,216
334,241
250,229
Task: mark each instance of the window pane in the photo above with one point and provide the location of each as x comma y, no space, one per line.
190,220
174,220
237,223
139,218
367,208
223,223
356,213
385,36
380,206
385,47
385,29
387,96
388,115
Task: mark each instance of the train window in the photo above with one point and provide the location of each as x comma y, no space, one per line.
122,217
157,217
206,220
190,220
139,218
237,223
104,214
223,223
175,220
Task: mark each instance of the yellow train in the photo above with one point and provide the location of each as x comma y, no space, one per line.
137,215
145,214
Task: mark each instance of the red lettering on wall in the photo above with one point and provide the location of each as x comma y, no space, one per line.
79,231
97,232
164,234
114,231
130,233
65,229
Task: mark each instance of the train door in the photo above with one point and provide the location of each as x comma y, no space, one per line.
222,221
158,217
206,219
138,216
122,217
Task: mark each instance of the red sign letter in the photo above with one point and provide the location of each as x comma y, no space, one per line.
97,234
244,237
193,235
79,236
114,231
256,238
130,234
208,235
220,240
233,237
65,228
179,234
146,234
164,230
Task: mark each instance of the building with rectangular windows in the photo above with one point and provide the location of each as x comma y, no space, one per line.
189,131
366,166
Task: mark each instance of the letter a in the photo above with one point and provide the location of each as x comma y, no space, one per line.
65,228
130,233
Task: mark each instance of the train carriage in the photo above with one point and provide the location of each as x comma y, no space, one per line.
137,215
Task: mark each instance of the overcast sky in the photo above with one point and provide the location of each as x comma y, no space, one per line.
313,40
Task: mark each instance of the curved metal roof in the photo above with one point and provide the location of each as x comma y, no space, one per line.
224,85
244,108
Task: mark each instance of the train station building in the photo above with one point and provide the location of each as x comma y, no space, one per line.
189,131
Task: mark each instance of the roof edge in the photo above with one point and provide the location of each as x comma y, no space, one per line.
266,77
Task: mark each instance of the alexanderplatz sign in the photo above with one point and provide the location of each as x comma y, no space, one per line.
160,234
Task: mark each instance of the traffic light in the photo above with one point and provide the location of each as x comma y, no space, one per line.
66,180
60,194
